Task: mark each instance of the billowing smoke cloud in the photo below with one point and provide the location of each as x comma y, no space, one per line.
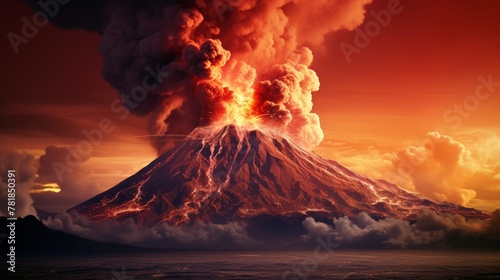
433,168
58,180
198,235
204,62
25,171
56,163
54,182
60,168
430,230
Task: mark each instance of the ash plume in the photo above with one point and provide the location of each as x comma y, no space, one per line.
216,61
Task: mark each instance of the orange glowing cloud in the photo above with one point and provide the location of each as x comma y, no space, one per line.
462,170
437,168
206,63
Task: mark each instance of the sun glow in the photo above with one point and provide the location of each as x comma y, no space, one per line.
50,187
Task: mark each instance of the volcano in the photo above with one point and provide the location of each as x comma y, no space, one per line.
235,174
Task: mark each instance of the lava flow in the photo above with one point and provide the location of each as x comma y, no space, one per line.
235,174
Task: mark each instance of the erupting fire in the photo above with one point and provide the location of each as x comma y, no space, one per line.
281,97
239,110
246,64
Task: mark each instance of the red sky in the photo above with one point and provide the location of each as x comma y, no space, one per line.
374,111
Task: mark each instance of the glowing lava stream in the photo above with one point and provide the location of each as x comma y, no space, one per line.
239,114
132,206
208,195
213,140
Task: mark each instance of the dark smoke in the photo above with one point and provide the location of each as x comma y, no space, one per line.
429,230
209,56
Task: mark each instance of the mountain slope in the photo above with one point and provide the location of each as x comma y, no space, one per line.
234,174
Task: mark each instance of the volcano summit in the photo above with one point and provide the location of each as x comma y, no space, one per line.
234,174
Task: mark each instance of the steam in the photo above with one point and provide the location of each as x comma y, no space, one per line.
25,174
430,229
217,61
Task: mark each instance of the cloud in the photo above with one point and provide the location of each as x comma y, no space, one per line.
182,62
62,167
54,182
198,235
462,169
430,229
445,169
359,156
24,166
435,166
57,162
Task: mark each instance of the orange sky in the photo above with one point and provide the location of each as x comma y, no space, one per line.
375,110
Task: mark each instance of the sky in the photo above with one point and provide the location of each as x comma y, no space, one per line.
414,103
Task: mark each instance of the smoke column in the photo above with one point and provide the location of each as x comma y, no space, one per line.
217,61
